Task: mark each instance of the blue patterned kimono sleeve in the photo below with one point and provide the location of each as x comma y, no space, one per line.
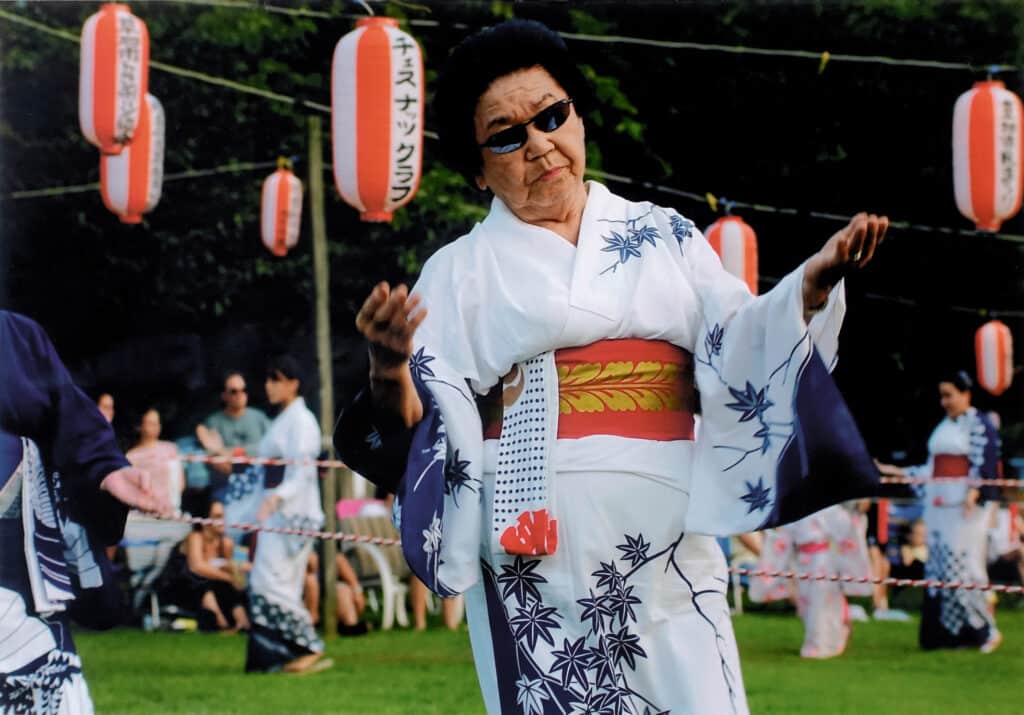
411,463
985,454
377,453
777,441
39,400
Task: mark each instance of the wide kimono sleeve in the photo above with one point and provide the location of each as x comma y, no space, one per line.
39,400
434,469
777,441
985,454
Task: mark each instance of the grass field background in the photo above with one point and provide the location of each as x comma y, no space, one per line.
133,673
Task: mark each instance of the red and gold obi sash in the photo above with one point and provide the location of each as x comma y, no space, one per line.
625,388
951,465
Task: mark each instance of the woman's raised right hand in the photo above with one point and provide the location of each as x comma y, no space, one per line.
389,318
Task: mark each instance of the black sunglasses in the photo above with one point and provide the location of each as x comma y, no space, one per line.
515,137
235,390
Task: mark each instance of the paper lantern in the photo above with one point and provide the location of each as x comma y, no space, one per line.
377,117
281,209
987,154
130,182
736,244
993,350
113,77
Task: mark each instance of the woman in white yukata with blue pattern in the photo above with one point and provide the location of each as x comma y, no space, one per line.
537,423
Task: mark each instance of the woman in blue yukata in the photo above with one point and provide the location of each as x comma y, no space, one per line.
965,444
53,526
536,424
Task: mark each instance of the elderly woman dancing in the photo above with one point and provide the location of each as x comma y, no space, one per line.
537,424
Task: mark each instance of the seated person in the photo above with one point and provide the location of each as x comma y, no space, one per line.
1005,547
201,577
913,554
349,599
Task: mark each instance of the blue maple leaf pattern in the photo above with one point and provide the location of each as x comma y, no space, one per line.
608,575
751,402
621,601
519,579
602,662
456,477
419,363
572,661
595,610
645,234
624,646
681,228
535,622
758,496
713,340
634,550
625,246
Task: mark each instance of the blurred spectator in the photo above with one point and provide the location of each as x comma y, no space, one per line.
1005,550
349,598
914,553
202,577
311,587
105,404
235,429
158,457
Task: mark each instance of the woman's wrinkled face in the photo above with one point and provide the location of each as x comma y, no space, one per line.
544,178
955,402
149,428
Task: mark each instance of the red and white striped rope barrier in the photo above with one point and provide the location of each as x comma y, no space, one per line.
336,463
970,481
273,461
795,575
288,531
890,581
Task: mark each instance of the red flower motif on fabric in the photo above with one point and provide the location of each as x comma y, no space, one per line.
534,534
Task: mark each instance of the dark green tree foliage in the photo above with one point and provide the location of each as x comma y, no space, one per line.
771,130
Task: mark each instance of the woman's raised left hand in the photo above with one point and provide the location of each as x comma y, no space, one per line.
850,248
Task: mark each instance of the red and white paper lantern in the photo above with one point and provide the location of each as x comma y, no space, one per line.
987,154
281,213
993,349
736,244
130,182
377,117
113,77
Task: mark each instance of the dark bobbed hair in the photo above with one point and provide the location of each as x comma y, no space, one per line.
286,366
480,59
958,379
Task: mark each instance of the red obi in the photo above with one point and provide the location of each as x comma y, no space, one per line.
626,388
813,547
951,465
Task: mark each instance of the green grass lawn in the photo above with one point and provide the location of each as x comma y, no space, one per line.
883,671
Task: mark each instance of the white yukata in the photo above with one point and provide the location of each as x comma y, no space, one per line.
831,542
967,446
282,627
589,583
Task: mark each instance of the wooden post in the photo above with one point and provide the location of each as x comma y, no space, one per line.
321,271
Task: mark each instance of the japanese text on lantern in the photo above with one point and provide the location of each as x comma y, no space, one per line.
407,108
1008,151
129,51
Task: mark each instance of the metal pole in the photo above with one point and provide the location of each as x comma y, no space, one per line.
323,355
